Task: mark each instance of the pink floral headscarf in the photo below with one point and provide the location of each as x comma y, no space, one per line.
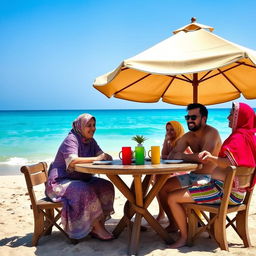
80,122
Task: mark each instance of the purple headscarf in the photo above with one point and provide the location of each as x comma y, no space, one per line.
80,122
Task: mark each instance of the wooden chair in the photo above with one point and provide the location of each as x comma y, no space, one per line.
217,219
43,209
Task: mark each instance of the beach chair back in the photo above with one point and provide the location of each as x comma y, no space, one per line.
216,218
43,209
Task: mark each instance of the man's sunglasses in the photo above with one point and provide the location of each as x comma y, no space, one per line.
192,117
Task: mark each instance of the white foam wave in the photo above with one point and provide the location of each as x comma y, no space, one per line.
22,161
16,161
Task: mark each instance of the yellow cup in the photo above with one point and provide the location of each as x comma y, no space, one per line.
154,154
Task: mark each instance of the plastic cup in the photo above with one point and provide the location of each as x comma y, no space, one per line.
154,154
126,155
139,155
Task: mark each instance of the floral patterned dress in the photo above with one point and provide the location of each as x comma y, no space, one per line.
85,198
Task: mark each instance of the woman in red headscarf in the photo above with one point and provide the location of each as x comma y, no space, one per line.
238,149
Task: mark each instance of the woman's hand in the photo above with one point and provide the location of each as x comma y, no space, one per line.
205,156
108,157
104,156
167,138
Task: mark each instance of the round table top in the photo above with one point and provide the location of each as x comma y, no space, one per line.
116,168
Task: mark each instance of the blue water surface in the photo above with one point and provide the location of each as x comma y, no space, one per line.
31,136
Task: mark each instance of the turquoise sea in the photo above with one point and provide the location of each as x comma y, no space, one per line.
32,136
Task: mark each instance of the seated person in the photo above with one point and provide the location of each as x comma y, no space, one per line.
200,137
87,200
174,131
238,149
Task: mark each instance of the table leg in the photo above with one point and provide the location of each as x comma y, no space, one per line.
123,188
156,187
135,236
128,210
157,227
150,219
138,202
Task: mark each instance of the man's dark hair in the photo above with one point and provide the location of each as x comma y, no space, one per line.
202,108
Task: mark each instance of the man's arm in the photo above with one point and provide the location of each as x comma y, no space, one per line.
180,147
180,150
212,143
188,157
206,156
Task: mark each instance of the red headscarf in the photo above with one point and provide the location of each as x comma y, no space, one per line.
240,146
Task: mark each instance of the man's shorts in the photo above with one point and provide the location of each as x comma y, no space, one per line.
192,178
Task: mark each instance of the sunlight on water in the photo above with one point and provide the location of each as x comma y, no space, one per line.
31,136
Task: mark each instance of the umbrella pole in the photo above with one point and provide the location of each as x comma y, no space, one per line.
195,88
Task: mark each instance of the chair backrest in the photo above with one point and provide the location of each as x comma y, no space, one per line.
35,175
245,177
247,180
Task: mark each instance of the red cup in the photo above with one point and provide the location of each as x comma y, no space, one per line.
126,155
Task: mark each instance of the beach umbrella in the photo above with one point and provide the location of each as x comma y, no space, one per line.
193,65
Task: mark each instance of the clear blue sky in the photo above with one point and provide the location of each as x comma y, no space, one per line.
52,50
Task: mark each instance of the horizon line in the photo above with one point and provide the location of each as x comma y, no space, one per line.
107,109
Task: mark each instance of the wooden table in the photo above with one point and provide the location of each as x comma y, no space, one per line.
138,195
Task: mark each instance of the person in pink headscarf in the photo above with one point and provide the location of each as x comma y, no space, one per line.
87,200
238,149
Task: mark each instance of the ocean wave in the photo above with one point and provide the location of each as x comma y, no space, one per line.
23,161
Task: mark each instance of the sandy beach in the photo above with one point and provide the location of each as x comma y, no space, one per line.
16,229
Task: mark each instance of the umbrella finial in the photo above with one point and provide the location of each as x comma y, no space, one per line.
193,26
193,19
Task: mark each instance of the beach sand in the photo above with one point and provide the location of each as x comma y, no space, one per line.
16,229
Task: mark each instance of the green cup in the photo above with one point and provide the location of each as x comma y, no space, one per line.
139,155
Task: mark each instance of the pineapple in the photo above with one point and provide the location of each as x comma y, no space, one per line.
139,139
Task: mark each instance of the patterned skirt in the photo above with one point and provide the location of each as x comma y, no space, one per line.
84,202
212,193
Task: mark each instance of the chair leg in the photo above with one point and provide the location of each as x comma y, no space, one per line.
192,226
220,233
38,227
50,214
242,227
211,233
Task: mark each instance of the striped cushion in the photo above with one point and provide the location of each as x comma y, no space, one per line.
212,193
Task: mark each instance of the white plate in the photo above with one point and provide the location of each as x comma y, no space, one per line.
102,162
172,161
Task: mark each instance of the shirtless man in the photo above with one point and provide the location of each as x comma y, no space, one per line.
200,137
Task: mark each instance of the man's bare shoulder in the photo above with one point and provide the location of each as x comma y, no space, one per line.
187,135
208,133
211,130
